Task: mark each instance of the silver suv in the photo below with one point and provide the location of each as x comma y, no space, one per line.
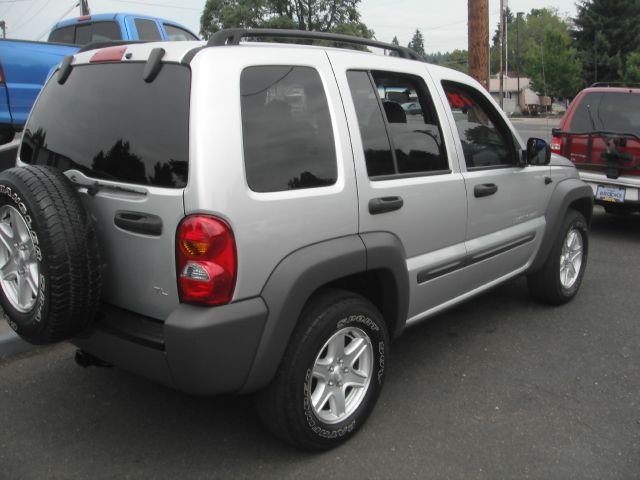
255,217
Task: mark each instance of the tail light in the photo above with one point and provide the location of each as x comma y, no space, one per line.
206,260
556,145
1,75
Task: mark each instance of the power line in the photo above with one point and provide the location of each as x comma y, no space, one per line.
60,18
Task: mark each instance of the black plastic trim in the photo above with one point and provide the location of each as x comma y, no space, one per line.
232,36
127,325
138,222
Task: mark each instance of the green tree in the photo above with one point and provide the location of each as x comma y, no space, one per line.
606,34
632,70
320,15
417,42
549,58
457,59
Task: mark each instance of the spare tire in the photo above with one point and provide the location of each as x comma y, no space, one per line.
49,257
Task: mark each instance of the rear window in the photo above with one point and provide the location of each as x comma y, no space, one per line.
108,123
610,111
147,30
62,35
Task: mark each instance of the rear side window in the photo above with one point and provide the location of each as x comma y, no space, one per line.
62,35
286,129
398,124
107,122
176,34
610,111
83,34
147,29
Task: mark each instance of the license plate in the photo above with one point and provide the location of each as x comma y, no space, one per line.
610,194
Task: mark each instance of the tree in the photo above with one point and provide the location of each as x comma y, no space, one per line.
606,34
417,42
458,60
339,16
632,70
395,41
549,58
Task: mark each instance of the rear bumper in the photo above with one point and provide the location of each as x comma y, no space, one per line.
199,350
631,184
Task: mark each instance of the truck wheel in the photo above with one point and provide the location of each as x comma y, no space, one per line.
560,277
49,261
331,374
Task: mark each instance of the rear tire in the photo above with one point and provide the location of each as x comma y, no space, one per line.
331,374
559,279
49,260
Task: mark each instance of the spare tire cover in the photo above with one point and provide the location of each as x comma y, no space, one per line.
49,256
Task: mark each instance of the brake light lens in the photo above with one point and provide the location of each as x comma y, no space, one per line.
206,260
556,145
110,54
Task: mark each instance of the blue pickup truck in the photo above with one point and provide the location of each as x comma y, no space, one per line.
26,65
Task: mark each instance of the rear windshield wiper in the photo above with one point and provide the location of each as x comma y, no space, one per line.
94,186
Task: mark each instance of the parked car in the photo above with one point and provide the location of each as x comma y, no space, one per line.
25,65
600,134
237,218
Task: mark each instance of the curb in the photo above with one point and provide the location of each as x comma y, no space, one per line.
11,344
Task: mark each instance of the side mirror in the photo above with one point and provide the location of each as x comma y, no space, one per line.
538,152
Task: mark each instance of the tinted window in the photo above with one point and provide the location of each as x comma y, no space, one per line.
147,29
377,149
176,34
398,125
610,111
286,127
485,140
83,34
105,31
107,122
62,35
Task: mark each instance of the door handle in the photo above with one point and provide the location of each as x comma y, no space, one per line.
138,222
385,204
485,190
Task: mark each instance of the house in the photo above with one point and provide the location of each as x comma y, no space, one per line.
525,100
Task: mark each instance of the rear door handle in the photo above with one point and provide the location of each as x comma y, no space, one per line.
485,190
385,204
138,222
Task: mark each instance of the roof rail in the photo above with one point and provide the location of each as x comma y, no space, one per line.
232,36
617,84
112,43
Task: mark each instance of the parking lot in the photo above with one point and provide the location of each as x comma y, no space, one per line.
500,387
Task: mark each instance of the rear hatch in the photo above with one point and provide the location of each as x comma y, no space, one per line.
125,142
603,133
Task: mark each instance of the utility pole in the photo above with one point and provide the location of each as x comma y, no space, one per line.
3,27
84,8
518,17
478,34
500,41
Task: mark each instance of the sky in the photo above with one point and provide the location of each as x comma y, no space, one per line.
442,23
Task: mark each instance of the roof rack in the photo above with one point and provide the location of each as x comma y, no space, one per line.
617,84
232,36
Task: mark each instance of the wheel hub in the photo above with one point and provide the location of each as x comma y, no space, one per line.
341,375
19,271
571,258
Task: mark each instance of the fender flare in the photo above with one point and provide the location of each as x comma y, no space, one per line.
302,273
565,194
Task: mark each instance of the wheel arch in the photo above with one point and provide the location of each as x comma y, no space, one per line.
569,194
372,265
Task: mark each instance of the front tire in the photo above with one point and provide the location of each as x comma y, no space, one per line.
559,280
331,374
